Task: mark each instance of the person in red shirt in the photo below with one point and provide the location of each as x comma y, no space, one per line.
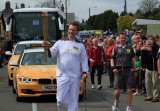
87,46
111,45
96,57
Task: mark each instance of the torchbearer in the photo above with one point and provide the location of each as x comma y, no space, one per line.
72,65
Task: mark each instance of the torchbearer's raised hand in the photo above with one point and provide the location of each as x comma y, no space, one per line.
45,44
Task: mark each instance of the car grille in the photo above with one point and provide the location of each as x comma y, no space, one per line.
54,81
44,81
47,81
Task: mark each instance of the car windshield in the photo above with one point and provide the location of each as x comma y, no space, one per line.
29,26
19,49
37,58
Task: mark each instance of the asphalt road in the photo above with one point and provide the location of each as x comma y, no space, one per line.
96,100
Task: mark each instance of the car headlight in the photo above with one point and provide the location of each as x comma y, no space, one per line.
26,79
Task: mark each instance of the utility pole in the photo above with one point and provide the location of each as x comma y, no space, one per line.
125,6
54,2
89,16
66,10
65,31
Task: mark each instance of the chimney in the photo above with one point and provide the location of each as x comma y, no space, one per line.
22,5
8,5
16,6
62,8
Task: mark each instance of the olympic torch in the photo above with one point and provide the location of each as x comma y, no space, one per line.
45,33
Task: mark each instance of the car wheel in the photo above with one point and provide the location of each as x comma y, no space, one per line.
13,90
81,97
18,99
10,82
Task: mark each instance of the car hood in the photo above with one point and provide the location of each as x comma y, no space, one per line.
37,71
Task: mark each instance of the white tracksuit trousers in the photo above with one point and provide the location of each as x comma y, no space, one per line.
67,93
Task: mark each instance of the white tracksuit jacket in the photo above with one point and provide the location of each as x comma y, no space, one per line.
71,62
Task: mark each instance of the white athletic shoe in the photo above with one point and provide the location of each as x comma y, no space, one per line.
136,93
128,109
115,105
93,86
99,87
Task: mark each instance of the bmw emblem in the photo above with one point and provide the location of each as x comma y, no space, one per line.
51,77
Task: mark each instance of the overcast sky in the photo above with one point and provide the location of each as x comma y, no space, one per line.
81,7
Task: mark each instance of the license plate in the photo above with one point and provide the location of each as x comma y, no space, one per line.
48,88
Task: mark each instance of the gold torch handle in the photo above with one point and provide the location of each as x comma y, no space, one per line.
45,33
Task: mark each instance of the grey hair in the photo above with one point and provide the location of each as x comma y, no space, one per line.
149,42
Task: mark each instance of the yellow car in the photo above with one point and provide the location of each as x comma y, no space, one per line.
32,77
19,47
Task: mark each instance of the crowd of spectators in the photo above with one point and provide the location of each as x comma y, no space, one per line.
5,45
146,47
99,52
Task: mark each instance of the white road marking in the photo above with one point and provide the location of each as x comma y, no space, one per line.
34,106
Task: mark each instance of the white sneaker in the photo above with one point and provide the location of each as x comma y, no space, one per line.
99,87
115,105
136,93
128,109
93,86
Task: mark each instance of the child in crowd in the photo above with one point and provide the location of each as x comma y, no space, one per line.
137,79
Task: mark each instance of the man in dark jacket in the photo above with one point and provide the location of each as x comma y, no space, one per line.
151,72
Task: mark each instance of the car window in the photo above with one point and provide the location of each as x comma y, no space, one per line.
52,60
37,58
19,49
30,59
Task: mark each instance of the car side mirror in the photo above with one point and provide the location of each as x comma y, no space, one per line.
8,53
61,23
14,63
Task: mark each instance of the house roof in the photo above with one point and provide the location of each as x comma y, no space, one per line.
145,22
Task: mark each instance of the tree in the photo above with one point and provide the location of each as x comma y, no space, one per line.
156,12
138,14
147,6
125,22
104,19
49,4
96,24
82,20
130,13
123,13
111,23
83,26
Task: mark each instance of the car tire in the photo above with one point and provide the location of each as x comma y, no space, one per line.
19,99
10,82
13,90
81,97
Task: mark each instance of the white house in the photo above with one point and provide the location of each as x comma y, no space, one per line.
149,26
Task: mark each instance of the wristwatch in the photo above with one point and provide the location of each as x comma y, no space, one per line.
113,67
